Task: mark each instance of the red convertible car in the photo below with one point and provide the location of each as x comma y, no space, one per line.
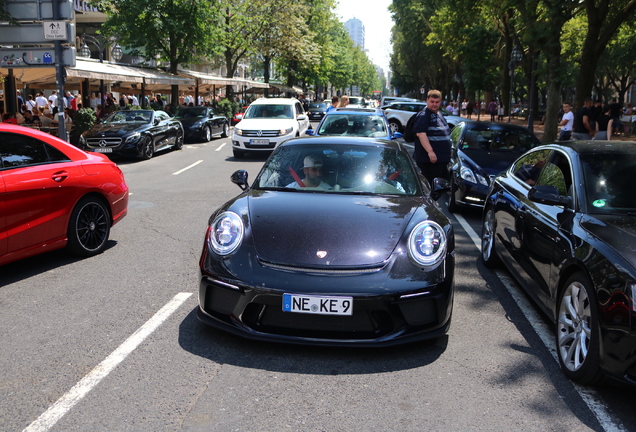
54,195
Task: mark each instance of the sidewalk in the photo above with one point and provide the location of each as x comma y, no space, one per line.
539,128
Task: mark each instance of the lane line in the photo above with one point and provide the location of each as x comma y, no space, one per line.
589,396
64,404
220,147
187,168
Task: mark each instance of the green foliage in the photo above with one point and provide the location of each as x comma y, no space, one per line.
83,120
227,108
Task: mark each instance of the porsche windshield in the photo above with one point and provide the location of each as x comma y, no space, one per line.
134,116
340,168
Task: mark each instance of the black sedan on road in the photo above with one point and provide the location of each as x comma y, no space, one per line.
481,150
202,123
563,221
337,242
134,133
317,111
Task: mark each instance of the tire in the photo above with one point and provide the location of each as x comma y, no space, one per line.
451,204
207,134
238,154
488,229
226,131
178,142
577,331
395,126
89,227
147,148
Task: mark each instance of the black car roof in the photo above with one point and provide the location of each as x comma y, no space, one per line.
481,125
348,140
598,147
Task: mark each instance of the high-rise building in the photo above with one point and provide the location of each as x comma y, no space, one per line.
355,28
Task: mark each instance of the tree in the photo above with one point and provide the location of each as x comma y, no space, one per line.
174,31
604,17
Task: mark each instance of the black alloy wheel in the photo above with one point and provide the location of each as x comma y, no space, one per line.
450,200
89,227
178,141
147,148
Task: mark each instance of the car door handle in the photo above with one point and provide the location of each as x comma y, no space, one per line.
59,176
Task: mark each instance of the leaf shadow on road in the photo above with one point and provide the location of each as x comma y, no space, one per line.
224,348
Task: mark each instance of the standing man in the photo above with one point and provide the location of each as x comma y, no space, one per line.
334,103
582,127
492,109
432,144
40,101
53,100
567,121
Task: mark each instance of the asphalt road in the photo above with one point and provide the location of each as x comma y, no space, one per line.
112,343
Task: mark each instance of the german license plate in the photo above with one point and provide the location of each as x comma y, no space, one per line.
321,305
259,142
103,150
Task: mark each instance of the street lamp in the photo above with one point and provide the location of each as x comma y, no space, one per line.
101,42
515,57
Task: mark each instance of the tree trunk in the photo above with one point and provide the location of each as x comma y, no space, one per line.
267,60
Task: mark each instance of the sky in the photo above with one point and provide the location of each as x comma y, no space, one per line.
377,21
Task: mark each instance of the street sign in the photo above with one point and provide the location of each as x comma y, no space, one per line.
55,30
38,10
35,57
32,34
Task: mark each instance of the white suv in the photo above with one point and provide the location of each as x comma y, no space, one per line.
399,113
267,123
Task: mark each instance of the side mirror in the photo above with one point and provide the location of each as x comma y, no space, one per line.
239,178
397,135
309,132
440,187
549,195
301,117
156,122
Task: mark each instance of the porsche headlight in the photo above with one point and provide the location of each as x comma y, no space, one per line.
427,243
225,234
133,138
196,126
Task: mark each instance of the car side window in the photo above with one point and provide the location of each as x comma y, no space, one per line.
19,151
528,168
299,108
557,173
455,134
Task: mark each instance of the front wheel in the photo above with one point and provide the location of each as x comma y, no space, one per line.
207,134
88,228
450,201
488,253
395,126
577,331
226,131
147,148
178,141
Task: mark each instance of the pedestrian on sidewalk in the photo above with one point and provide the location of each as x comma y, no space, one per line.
582,128
567,121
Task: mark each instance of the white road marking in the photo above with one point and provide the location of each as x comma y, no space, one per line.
220,147
188,167
64,404
589,396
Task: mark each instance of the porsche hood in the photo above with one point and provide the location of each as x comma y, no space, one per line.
315,229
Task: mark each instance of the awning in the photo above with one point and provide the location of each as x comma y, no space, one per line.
206,80
285,88
124,76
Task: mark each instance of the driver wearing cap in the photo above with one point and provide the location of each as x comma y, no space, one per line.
312,168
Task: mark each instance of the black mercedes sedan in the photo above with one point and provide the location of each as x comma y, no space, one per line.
338,241
202,123
134,133
562,220
481,150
